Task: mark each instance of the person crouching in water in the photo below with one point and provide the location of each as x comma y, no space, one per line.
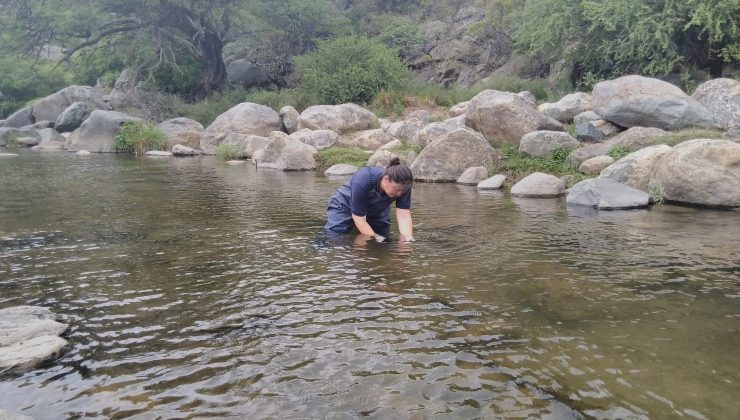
365,201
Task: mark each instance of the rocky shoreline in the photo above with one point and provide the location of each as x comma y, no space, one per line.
633,113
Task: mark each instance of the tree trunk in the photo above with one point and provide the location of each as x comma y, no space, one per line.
213,69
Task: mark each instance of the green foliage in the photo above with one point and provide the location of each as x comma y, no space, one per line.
21,81
619,152
138,137
330,156
230,152
656,194
387,104
516,165
276,99
399,33
351,69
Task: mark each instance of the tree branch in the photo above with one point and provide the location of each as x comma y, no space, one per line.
134,25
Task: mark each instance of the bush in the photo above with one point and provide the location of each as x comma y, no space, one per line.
138,137
351,69
330,156
231,152
387,104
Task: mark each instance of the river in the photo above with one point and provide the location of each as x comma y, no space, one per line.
195,288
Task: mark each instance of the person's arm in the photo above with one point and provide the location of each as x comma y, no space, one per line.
405,225
362,225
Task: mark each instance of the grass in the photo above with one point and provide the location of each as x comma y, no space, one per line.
11,139
619,152
334,155
675,137
517,165
138,137
230,152
404,150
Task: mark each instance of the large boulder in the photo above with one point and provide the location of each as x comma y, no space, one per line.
569,106
341,119
539,185
246,73
50,107
29,336
635,168
72,117
446,158
20,118
458,109
636,138
286,154
183,131
249,143
50,140
433,131
320,139
702,171
722,98
98,131
382,157
606,194
503,117
245,118
473,176
595,165
406,131
366,140
631,101
586,117
9,134
542,143
180,150
289,116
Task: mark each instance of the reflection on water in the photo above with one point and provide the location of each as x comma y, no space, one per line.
194,288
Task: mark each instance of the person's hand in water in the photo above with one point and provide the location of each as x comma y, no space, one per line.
409,238
379,238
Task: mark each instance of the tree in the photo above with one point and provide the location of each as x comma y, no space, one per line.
159,30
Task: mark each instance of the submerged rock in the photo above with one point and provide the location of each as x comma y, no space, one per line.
493,183
606,194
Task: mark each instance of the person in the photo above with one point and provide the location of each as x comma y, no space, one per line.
364,202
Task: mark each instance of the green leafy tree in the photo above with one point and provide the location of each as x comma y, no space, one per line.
351,69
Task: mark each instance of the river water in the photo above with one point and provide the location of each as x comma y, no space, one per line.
195,288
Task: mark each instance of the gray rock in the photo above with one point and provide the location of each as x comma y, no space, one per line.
341,119
180,150
473,176
289,116
40,125
406,132
73,116
631,101
27,141
246,73
542,143
381,158
578,156
528,97
97,132
586,117
158,153
419,116
7,415
433,131
20,118
50,107
702,171
286,154
340,169
245,118
459,109
83,153
504,118
8,134
183,131
249,143
595,165
495,182
569,106
539,185
722,98
587,131
28,337
446,158
395,144
635,169
320,139
606,194
366,140
636,138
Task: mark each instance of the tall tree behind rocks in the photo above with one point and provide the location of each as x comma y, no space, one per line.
160,29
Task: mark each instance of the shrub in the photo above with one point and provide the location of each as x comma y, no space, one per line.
330,156
214,105
138,137
516,165
388,104
231,152
351,69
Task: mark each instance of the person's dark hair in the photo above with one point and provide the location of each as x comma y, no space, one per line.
399,173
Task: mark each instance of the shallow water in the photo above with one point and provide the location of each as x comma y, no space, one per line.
194,288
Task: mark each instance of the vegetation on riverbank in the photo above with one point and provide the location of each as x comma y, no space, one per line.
334,155
517,165
138,138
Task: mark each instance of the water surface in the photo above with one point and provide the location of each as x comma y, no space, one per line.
194,288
